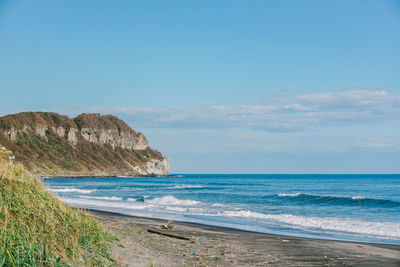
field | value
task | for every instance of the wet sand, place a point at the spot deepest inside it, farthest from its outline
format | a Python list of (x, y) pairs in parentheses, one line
[(219, 246)]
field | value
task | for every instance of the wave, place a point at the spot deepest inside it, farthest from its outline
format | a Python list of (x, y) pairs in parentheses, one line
[(98, 203), (358, 197), (70, 190), (289, 195), (382, 229), (184, 210), (102, 198), (170, 200), (167, 203), (170, 204), (184, 186), (139, 198), (341, 200)]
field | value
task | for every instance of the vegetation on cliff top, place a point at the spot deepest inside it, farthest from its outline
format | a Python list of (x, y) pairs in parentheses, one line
[(53, 154), (37, 229), (95, 120)]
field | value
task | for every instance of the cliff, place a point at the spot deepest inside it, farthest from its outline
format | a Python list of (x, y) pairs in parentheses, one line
[(90, 144)]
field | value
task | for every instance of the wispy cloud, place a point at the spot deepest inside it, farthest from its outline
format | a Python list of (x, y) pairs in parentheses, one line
[(280, 114)]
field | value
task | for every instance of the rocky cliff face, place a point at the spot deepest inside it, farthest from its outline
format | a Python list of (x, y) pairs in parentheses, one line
[(110, 130), (90, 144)]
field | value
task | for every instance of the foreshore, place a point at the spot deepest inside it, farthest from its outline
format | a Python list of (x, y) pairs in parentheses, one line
[(219, 246)]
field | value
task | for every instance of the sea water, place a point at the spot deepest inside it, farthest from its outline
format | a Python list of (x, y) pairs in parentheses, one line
[(341, 207)]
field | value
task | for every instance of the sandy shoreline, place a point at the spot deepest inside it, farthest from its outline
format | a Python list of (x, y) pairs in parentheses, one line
[(219, 246)]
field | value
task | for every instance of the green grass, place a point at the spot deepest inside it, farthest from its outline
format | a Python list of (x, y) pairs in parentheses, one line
[(37, 229)]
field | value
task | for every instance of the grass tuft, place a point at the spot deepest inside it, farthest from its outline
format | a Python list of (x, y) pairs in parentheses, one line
[(37, 229)]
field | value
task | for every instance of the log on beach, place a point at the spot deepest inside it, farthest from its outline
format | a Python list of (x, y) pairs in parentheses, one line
[(167, 234)]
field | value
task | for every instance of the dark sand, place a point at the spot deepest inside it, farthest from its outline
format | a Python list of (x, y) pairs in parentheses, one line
[(218, 246)]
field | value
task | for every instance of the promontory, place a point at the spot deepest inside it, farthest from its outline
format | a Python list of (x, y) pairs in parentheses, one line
[(48, 143)]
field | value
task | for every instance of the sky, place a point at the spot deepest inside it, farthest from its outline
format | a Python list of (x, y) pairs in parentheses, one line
[(218, 86)]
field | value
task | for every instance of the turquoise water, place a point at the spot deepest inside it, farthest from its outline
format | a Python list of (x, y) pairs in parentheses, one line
[(344, 207)]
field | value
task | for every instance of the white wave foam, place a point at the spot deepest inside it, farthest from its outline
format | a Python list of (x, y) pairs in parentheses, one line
[(383, 229), (130, 206), (217, 205), (97, 203), (181, 209), (289, 195), (170, 200), (298, 194), (67, 190), (357, 197), (185, 186), (102, 198)]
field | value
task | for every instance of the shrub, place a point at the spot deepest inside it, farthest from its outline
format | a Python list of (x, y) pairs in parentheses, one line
[(3, 123)]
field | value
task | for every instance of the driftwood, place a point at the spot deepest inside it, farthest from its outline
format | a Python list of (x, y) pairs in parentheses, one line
[(169, 235), (169, 225)]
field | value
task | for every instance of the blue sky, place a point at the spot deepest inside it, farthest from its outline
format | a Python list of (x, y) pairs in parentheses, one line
[(218, 86)]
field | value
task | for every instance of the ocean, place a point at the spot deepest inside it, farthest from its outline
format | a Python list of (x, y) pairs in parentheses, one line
[(339, 207)]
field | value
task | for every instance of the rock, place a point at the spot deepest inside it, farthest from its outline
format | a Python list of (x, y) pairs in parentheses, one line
[(128, 140), (72, 138), (41, 131), (12, 134), (60, 131), (157, 167)]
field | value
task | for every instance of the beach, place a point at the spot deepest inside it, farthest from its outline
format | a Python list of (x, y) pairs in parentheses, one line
[(219, 246), (200, 133), (338, 207)]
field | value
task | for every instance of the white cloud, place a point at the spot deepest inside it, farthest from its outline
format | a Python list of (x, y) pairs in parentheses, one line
[(279, 114)]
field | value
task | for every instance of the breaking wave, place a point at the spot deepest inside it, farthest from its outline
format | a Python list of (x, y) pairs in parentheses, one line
[(102, 198), (289, 195), (71, 190), (185, 186), (341, 200), (170, 200), (382, 229), (358, 197), (101, 204)]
